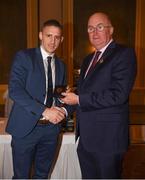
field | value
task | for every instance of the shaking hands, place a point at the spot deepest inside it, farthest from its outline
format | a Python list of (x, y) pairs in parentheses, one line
[(54, 114)]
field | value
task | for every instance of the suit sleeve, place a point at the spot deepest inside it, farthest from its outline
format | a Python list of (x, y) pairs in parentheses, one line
[(117, 93), (17, 85)]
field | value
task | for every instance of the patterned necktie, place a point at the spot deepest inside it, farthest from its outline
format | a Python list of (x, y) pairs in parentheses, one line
[(95, 60), (49, 100)]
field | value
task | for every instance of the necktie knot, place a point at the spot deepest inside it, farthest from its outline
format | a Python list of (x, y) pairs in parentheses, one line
[(49, 59), (97, 55), (96, 58)]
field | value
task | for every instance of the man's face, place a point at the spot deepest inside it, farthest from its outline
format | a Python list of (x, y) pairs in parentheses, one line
[(50, 38), (99, 30)]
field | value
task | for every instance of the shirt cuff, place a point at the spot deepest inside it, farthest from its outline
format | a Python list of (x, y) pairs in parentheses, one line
[(66, 113)]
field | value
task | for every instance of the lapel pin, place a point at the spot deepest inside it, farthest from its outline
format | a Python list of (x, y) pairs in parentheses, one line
[(101, 61)]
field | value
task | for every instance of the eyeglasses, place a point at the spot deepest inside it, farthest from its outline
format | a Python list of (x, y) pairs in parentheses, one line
[(100, 27)]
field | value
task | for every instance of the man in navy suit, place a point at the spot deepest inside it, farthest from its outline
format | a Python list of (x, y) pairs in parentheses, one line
[(102, 102), (33, 124)]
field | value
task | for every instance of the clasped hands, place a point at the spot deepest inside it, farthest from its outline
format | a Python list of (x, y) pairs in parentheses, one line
[(54, 114)]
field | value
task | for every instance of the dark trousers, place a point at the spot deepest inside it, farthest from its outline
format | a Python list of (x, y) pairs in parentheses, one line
[(96, 165), (39, 148)]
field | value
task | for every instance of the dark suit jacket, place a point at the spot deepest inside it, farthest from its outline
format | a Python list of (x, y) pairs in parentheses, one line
[(102, 116), (27, 88)]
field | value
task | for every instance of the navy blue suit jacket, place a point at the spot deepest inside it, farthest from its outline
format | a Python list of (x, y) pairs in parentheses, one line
[(102, 116), (27, 88)]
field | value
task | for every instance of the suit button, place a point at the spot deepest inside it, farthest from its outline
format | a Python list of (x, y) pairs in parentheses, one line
[(33, 113)]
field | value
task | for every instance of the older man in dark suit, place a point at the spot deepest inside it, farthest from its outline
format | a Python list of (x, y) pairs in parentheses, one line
[(106, 80)]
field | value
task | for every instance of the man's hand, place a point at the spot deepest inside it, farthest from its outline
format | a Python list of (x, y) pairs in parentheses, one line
[(70, 98), (54, 114)]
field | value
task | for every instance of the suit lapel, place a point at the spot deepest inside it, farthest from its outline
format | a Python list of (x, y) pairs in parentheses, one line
[(39, 60), (104, 58), (57, 71), (85, 66), (108, 52)]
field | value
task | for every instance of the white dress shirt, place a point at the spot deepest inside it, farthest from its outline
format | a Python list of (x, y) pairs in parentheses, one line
[(44, 56)]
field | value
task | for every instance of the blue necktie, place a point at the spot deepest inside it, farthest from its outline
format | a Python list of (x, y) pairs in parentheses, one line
[(49, 100)]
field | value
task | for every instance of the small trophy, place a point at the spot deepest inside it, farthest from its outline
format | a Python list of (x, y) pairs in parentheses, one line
[(58, 90), (67, 125)]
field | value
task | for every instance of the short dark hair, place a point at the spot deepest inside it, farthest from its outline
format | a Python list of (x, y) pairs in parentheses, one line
[(52, 22)]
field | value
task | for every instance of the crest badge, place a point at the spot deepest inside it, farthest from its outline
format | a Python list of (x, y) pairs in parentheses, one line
[(101, 61)]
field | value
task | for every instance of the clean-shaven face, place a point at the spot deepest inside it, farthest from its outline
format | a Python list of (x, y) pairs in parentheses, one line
[(51, 37), (100, 30)]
